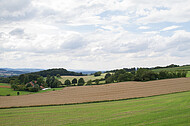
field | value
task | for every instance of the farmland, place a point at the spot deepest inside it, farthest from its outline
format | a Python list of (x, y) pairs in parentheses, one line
[(171, 109), (81, 94)]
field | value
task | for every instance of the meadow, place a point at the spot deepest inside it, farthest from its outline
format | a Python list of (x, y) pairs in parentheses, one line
[(170, 109)]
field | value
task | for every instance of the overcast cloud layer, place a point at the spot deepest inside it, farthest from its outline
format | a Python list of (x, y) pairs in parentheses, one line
[(94, 34)]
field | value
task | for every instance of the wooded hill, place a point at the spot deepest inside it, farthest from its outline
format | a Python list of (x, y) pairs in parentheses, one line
[(54, 72)]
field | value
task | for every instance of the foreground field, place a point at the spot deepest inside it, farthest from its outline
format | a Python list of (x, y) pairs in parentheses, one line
[(124, 90), (168, 110)]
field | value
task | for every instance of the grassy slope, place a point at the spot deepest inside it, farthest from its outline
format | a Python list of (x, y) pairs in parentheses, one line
[(172, 109), (187, 68)]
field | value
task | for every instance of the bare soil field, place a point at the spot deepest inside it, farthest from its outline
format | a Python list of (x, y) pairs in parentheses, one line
[(116, 91)]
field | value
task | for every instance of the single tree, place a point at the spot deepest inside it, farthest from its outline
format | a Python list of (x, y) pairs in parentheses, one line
[(81, 82), (74, 81), (67, 82)]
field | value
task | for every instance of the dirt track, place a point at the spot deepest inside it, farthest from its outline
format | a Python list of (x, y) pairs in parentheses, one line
[(114, 91), (5, 86)]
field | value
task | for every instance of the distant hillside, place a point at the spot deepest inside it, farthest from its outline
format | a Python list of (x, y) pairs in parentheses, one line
[(171, 67), (7, 72), (185, 67), (54, 72)]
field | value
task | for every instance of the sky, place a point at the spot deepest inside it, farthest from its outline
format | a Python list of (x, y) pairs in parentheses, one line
[(94, 34)]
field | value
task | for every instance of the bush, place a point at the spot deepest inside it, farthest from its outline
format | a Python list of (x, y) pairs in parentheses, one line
[(89, 82), (20, 88), (97, 81), (33, 89), (8, 95)]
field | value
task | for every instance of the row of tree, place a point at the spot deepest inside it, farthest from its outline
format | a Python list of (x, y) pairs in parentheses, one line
[(75, 82), (142, 75)]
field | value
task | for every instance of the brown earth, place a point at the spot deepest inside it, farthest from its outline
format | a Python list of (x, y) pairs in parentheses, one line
[(5, 86), (93, 93)]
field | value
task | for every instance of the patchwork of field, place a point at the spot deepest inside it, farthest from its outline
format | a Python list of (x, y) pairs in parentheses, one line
[(164, 110), (123, 90)]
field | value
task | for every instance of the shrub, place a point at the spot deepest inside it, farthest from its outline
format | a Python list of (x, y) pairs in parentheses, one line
[(97, 81), (89, 82), (33, 89)]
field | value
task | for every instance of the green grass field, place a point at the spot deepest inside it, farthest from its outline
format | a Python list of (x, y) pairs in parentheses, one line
[(187, 68), (164, 110), (188, 74)]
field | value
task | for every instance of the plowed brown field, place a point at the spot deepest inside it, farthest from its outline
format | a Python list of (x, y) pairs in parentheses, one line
[(114, 91)]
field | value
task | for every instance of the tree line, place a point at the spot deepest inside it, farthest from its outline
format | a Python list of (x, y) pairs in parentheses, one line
[(142, 74)]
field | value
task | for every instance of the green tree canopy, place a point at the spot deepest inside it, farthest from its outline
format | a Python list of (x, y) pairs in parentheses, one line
[(74, 81), (81, 82), (89, 82), (67, 82), (97, 73)]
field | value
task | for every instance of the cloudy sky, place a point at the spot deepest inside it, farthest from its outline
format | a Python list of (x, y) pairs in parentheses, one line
[(94, 34)]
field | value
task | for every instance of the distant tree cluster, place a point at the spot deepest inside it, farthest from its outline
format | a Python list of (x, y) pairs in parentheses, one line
[(52, 82), (143, 75), (32, 82), (97, 73), (27, 82)]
